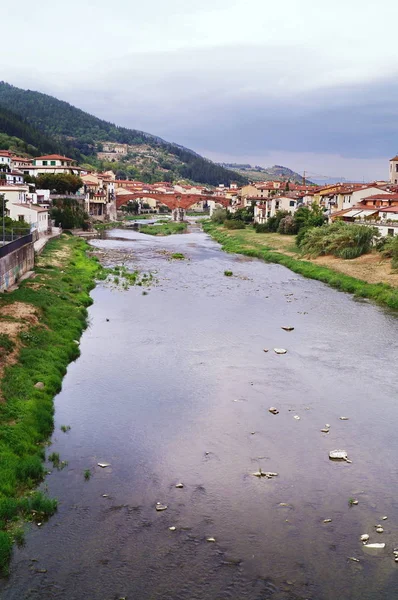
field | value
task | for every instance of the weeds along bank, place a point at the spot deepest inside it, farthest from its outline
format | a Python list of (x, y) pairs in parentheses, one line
[(234, 241), (40, 325)]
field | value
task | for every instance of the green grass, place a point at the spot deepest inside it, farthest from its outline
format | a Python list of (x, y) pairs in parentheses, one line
[(139, 217), (87, 474), (164, 229), (228, 273), (381, 293), (6, 344), (178, 256), (26, 415), (65, 428)]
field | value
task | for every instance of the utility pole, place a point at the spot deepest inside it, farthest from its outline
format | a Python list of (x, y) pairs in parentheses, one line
[(304, 178)]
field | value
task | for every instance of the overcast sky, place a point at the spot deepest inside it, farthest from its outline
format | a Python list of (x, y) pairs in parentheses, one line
[(309, 84)]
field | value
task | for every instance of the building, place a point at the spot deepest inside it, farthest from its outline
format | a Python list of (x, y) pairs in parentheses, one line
[(99, 196), (16, 194), (5, 160), (52, 163), (34, 215), (394, 170)]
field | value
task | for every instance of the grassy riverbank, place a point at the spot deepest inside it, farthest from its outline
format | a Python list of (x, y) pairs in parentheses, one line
[(42, 321), (253, 244), (164, 229)]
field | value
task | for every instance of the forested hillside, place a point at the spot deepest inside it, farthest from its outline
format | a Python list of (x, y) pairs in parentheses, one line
[(18, 135), (68, 124)]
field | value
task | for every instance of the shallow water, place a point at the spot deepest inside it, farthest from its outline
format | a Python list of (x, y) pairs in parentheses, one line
[(176, 387)]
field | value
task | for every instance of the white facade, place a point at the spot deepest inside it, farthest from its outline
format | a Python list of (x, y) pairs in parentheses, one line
[(5, 160), (14, 178), (14, 194), (36, 216)]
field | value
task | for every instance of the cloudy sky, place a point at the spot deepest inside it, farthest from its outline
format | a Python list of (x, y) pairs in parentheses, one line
[(309, 84)]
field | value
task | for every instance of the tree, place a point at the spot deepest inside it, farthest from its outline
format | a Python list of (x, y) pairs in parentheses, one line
[(62, 183)]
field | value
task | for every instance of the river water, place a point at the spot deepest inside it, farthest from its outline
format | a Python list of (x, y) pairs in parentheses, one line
[(176, 387)]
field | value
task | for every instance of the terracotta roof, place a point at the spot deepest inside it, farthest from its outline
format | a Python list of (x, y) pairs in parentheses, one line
[(382, 197), (32, 207), (395, 158), (387, 209), (53, 157)]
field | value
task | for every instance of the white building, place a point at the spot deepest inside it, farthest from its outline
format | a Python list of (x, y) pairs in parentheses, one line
[(5, 159), (35, 216), (52, 163), (15, 193)]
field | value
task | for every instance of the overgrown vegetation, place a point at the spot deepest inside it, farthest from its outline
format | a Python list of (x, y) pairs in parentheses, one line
[(379, 292), (164, 229), (60, 294), (68, 213), (345, 240), (6, 344), (389, 249), (177, 256)]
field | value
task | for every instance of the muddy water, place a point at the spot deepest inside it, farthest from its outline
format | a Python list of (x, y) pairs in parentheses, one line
[(176, 387)]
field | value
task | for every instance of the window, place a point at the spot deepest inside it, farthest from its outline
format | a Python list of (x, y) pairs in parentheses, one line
[(53, 163), (292, 203), (44, 163), (20, 217), (396, 168), (390, 231)]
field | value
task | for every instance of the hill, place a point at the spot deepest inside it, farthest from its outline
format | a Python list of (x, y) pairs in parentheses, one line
[(85, 133), (17, 135), (257, 173)]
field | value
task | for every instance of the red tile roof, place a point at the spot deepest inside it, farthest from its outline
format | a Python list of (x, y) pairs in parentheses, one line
[(53, 157)]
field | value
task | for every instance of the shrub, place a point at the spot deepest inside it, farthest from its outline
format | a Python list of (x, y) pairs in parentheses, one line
[(287, 225), (344, 240), (273, 222), (234, 224), (389, 249), (261, 228), (6, 344), (219, 216)]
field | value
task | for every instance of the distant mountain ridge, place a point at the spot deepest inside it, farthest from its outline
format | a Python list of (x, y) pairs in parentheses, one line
[(71, 127), (275, 173)]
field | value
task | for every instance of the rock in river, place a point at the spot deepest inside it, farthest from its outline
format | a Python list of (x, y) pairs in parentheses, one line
[(280, 350)]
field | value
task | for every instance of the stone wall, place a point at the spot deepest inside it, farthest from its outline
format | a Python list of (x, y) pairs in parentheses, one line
[(15, 264)]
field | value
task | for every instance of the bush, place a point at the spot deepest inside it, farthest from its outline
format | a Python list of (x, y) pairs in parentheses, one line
[(389, 249), (219, 216), (273, 222), (344, 240), (309, 216), (261, 228), (234, 224), (287, 225)]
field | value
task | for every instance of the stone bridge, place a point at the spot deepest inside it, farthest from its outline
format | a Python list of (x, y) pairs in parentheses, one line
[(178, 203)]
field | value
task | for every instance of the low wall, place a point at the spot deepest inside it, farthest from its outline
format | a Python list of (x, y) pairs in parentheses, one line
[(15, 261)]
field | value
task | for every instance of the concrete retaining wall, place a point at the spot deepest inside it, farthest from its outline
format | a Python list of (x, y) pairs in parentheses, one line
[(15, 264)]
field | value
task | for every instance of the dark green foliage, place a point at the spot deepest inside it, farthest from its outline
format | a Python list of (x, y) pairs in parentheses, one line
[(69, 213), (272, 225), (87, 474), (177, 256), (309, 216), (228, 273), (18, 135), (234, 224), (62, 183)]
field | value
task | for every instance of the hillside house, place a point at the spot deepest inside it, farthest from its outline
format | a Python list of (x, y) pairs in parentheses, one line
[(394, 170), (52, 163)]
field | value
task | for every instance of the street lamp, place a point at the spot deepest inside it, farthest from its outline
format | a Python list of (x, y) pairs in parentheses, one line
[(4, 218)]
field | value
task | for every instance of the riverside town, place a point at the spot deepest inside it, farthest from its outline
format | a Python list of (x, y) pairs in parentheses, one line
[(198, 358)]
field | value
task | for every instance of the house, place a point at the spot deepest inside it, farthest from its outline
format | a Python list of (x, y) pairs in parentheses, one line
[(14, 177), (18, 162), (15, 193), (35, 215), (99, 196), (5, 160), (52, 163)]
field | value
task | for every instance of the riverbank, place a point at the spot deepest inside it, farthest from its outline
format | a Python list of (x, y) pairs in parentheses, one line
[(40, 326), (280, 249)]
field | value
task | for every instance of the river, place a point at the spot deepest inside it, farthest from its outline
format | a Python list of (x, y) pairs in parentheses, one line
[(174, 386)]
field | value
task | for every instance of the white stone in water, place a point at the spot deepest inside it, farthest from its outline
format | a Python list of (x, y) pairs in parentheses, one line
[(327, 520), (210, 539), (379, 529), (355, 502), (343, 418), (375, 546), (269, 475), (384, 518), (280, 350), (297, 417), (354, 559), (325, 430), (104, 465), (159, 506), (179, 485), (273, 410), (364, 538), (338, 455), (172, 528), (288, 328), (327, 426)]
